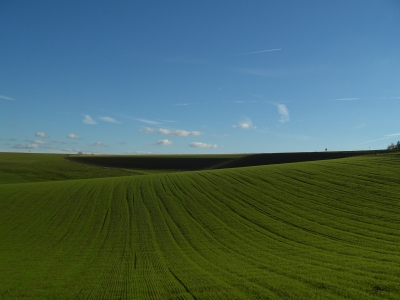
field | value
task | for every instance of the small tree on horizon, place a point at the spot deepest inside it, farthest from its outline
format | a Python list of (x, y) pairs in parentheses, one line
[(393, 146)]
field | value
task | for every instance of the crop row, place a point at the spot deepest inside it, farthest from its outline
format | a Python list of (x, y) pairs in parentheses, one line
[(316, 230)]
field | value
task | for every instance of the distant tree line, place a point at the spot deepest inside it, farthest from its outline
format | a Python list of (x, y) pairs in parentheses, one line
[(394, 147)]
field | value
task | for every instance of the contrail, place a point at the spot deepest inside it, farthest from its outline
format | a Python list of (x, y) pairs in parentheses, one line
[(6, 98), (262, 51)]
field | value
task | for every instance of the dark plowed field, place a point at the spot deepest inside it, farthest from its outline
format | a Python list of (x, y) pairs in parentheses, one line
[(191, 163)]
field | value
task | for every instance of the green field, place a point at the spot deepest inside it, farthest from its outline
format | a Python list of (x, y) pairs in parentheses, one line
[(313, 230), (23, 167)]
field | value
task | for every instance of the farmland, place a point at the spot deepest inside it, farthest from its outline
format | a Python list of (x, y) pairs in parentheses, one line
[(22, 167), (327, 229), (201, 162)]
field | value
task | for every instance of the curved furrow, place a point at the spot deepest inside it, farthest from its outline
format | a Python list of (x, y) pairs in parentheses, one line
[(320, 230), (317, 199), (322, 209), (247, 248), (248, 254), (231, 256), (185, 254)]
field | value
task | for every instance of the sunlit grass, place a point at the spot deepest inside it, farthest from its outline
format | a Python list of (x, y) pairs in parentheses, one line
[(316, 230)]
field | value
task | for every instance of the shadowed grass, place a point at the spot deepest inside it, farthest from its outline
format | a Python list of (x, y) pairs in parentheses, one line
[(24, 167)]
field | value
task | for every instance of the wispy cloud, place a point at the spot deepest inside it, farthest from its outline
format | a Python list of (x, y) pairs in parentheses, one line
[(232, 101), (178, 132), (284, 112), (373, 98), (41, 134), (89, 120), (147, 121), (245, 125), (258, 96), (6, 98), (73, 136), (346, 99), (98, 144), (165, 142), (26, 146), (38, 142), (202, 145), (59, 142), (147, 130), (386, 137), (256, 52), (108, 119), (127, 117), (360, 126), (392, 135), (274, 73), (221, 88)]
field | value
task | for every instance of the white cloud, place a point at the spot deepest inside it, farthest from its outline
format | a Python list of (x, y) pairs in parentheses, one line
[(163, 143), (73, 136), (38, 142), (245, 125), (147, 121), (41, 134), (346, 99), (6, 98), (178, 132), (109, 120), (386, 137), (98, 144), (202, 145), (89, 120), (255, 52), (284, 112), (26, 146), (147, 130), (393, 134), (164, 131)]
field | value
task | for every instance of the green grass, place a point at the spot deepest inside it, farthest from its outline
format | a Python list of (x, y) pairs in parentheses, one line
[(315, 230), (23, 167)]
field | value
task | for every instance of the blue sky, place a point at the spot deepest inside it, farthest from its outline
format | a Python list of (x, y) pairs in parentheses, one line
[(127, 77)]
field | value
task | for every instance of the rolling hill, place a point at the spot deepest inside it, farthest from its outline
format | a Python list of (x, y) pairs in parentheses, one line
[(312, 230)]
